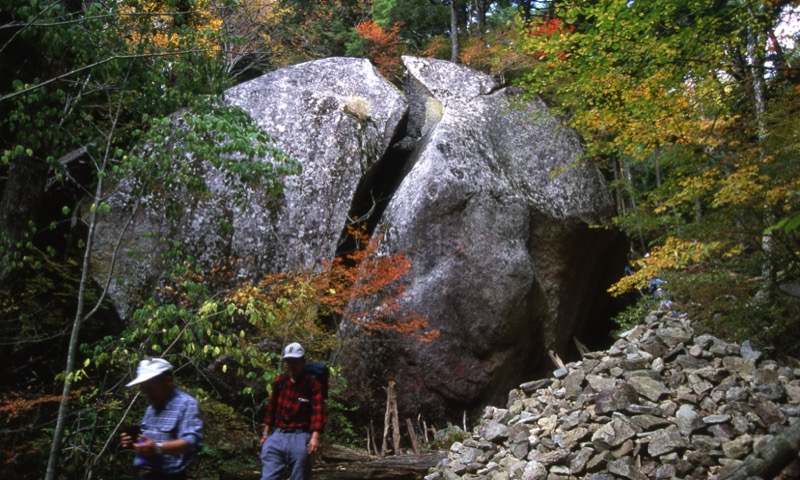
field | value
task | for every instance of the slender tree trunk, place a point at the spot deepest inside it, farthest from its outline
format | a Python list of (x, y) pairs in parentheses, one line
[(629, 181), (72, 352), (80, 315), (618, 190), (453, 32), (480, 14), (657, 155), (755, 58)]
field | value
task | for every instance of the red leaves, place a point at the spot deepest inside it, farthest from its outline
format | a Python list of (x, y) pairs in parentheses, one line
[(384, 46), (365, 288), (549, 27)]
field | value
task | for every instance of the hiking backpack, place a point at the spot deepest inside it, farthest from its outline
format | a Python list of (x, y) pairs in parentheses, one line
[(322, 372), (317, 369)]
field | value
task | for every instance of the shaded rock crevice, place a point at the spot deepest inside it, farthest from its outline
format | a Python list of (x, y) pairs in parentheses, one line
[(377, 186)]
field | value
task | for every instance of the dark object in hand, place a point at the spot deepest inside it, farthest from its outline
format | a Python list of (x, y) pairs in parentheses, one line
[(132, 431)]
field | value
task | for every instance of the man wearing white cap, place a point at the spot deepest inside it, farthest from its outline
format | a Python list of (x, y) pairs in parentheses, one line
[(294, 421), (171, 429)]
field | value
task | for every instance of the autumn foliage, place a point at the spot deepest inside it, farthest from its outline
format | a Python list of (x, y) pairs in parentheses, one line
[(495, 53), (548, 27), (367, 289), (383, 46), (361, 289)]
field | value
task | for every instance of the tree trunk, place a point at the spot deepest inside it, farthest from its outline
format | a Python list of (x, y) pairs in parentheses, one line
[(20, 201), (453, 32), (755, 58), (72, 352), (80, 312), (480, 7)]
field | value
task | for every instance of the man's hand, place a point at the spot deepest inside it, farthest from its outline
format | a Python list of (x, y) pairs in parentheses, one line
[(264, 436), (315, 443), (145, 446), (125, 440)]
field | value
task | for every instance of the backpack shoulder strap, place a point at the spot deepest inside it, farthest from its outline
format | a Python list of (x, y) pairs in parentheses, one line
[(279, 382)]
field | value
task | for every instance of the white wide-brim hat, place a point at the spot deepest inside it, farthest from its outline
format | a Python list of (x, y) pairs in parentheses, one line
[(150, 368), (294, 350)]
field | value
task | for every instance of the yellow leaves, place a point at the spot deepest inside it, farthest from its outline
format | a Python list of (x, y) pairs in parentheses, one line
[(744, 186), (254, 23), (784, 196), (675, 254), (208, 308), (694, 187), (152, 26)]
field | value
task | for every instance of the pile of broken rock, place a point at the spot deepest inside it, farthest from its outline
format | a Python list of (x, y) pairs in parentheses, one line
[(663, 402)]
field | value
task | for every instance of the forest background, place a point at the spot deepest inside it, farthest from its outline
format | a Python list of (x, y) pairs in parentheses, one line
[(690, 107)]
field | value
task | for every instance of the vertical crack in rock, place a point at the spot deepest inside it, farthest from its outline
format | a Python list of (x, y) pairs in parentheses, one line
[(378, 185)]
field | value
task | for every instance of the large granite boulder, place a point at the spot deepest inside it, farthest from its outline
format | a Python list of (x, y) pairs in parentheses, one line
[(335, 116), (483, 191), (496, 215)]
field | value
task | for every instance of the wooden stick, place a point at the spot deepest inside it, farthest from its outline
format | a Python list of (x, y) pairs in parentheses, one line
[(395, 422), (387, 417), (372, 437), (556, 359), (412, 434)]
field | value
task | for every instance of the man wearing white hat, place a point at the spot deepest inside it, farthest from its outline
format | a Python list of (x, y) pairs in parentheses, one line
[(171, 429), (294, 421)]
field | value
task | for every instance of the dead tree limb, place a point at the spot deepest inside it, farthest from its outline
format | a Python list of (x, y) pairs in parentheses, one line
[(768, 462), (412, 434), (395, 423), (390, 419)]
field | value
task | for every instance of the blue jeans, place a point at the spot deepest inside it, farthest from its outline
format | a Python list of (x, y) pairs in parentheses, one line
[(286, 450)]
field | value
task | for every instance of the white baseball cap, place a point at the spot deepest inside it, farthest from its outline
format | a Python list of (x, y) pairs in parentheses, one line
[(294, 350), (150, 368)]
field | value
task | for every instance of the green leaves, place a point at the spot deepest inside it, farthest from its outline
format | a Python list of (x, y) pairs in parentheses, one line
[(666, 96)]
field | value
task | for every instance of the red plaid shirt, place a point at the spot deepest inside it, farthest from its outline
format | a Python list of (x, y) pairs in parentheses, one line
[(292, 407)]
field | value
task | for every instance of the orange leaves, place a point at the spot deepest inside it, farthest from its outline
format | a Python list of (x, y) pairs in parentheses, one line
[(494, 52), (361, 288), (18, 405), (384, 46), (365, 288)]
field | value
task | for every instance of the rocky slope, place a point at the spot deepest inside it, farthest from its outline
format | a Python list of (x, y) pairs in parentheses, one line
[(663, 402)]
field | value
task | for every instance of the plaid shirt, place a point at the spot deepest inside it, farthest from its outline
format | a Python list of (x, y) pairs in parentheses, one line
[(179, 418), (297, 405)]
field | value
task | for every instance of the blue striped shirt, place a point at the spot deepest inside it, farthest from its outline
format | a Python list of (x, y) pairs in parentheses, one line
[(179, 418)]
